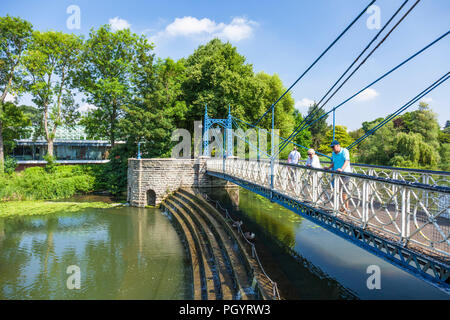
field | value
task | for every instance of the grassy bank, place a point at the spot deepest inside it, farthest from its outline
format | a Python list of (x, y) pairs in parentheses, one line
[(41, 207)]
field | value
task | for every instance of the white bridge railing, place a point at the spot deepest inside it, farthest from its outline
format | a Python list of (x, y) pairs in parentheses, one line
[(439, 178), (392, 202)]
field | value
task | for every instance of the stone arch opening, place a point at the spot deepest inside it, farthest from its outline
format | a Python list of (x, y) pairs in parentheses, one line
[(151, 197)]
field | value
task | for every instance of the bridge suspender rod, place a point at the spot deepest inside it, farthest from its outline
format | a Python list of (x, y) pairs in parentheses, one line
[(437, 83), (316, 108), (312, 65), (294, 134)]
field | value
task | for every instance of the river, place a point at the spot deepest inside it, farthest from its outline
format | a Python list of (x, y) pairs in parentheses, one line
[(121, 253), (135, 253), (313, 263)]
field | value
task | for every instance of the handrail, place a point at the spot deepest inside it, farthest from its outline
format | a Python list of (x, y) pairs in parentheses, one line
[(411, 212), (218, 205), (404, 183), (445, 173)]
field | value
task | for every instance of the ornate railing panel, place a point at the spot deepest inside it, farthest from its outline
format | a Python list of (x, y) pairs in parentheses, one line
[(397, 205)]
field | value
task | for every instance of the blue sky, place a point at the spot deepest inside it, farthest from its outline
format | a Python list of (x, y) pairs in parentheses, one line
[(284, 37)]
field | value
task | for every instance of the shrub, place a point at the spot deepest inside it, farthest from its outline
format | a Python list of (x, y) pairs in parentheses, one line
[(37, 183), (10, 165)]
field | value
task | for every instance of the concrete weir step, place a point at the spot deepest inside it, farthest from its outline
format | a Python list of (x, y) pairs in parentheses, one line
[(226, 269), (192, 246), (240, 271), (264, 288), (217, 261), (203, 281)]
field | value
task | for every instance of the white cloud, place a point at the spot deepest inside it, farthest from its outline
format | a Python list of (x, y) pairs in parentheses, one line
[(86, 107), (427, 100), (366, 95), (9, 97), (238, 29), (118, 24), (190, 26), (305, 103)]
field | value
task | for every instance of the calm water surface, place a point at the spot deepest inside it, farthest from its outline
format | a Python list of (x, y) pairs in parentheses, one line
[(122, 253), (330, 267)]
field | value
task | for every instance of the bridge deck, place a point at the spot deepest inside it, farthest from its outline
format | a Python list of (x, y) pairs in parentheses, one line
[(412, 219)]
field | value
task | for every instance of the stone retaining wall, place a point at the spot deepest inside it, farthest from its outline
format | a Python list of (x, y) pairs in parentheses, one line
[(151, 180)]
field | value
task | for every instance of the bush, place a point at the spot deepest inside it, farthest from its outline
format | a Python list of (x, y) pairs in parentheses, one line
[(51, 165), (10, 165), (37, 183)]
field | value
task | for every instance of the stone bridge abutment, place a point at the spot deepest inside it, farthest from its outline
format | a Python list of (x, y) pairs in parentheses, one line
[(151, 180)]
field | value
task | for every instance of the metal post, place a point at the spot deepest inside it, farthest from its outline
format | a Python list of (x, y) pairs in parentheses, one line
[(336, 194), (229, 134), (403, 226), (272, 147), (315, 186), (206, 133), (139, 150), (224, 155), (333, 124), (365, 205)]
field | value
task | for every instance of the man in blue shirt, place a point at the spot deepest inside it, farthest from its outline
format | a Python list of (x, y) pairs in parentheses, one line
[(340, 162)]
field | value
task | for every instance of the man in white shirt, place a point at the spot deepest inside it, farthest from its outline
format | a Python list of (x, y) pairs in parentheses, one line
[(313, 160), (294, 156)]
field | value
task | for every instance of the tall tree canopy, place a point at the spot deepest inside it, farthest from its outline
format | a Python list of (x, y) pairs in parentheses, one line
[(318, 128), (341, 135), (15, 35), (410, 140), (50, 63), (217, 75), (115, 65)]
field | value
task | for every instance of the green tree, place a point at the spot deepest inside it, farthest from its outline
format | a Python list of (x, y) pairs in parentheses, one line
[(15, 35), (217, 75), (304, 137), (379, 147), (157, 110), (444, 151), (273, 88), (411, 140), (447, 127), (16, 124), (115, 65), (50, 62), (424, 122), (318, 128), (341, 135)]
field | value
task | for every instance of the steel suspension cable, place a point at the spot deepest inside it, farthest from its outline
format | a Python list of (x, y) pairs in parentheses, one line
[(435, 84), (369, 85), (266, 131), (365, 49), (373, 50), (316, 108), (312, 65)]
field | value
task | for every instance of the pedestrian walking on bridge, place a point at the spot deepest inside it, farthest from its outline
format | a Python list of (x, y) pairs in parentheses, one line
[(340, 162), (294, 156)]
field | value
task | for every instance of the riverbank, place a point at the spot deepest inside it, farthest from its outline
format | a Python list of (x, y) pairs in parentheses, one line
[(42, 207)]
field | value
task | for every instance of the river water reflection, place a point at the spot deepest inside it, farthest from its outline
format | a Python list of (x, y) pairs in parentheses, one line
[(122, 253), (326, 266)]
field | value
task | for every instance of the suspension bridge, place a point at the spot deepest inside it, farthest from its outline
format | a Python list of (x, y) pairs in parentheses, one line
[(401, 215)]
